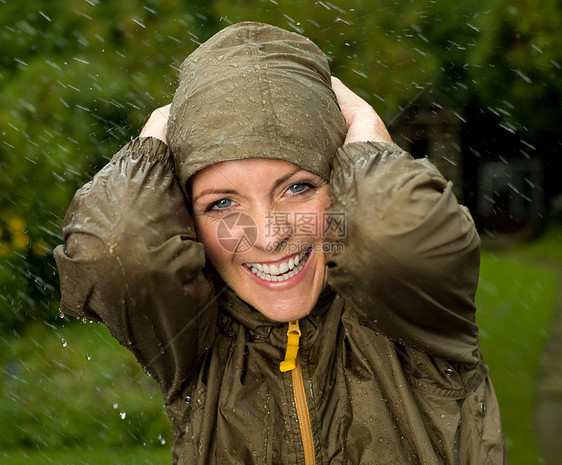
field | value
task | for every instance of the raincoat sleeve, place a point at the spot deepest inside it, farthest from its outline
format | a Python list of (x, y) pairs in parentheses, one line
[(131, 261), (411, 253)]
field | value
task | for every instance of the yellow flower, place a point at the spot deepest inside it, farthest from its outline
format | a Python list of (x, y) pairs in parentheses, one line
[(40, 248), (20, 240), (4, 249), (16, 225)]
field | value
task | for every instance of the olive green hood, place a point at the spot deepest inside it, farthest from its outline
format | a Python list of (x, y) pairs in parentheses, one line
[(255, 91)]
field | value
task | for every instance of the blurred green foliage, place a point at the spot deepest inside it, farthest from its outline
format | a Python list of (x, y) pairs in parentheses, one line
[(74, 386), (78, 79)]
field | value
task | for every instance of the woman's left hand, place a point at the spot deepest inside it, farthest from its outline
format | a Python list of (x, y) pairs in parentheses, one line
[(363, 123), (157, 124)]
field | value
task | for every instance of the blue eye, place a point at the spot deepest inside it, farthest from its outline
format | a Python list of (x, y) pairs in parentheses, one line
[(220, 204), (299, 187)]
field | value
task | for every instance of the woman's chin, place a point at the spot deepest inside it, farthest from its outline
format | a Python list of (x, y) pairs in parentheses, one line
[(284, 300), (284, 311)]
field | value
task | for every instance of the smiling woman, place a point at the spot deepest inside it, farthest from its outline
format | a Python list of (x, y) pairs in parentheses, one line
[(202, 247), (282, 274)]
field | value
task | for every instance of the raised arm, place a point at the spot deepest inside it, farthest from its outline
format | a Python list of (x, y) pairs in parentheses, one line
[(131, 261), (411, 252)]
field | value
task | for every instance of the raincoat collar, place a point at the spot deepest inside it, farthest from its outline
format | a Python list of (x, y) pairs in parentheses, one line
[(237, 312)]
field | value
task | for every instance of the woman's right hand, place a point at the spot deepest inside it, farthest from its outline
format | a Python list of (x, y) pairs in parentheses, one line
[(157, 124), (363, 123)]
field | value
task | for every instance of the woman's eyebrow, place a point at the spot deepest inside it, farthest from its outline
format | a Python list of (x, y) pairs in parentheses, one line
[(216, 191), (282, 179), (276, 183)]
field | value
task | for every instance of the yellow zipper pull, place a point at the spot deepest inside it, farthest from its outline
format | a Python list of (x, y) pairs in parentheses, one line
[(293, 335)]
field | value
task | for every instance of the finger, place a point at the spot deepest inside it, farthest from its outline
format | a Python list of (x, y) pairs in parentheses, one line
[(156, 125), (165, 110), (340, 90)]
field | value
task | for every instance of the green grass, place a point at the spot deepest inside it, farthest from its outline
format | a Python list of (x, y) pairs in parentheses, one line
[(516, 301), (88, 391), (64, 403), (548, 249), (94, 456)]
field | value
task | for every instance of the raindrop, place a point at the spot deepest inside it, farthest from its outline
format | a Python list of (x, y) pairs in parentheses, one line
[(122, 415), (88, 357), (115, 405), (63, 342), (137, 21), (44, 16), (161, 439), (80, 60), (360, 73), (523, 76)]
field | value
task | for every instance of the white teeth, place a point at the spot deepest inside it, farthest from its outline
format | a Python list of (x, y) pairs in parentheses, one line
[(282, 272)]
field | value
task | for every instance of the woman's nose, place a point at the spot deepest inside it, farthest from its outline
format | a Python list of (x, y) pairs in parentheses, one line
[(274, 230)]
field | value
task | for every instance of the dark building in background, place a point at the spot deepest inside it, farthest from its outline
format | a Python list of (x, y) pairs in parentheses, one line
[(495, 174)]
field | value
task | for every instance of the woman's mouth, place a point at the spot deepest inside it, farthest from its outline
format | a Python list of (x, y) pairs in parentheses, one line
[(281, 271)]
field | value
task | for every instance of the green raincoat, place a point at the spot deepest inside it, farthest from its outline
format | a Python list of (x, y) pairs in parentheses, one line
[(389, 369)]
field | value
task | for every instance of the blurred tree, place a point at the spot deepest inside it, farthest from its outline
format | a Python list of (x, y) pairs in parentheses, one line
[(77, 80), (503, 56)]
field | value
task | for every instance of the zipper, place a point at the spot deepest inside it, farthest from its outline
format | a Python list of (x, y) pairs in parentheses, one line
[(292, 363)]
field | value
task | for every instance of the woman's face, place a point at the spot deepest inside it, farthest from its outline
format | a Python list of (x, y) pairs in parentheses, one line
[(261, 222)]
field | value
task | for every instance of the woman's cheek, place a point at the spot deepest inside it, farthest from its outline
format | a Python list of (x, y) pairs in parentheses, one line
[(207, 235), (204, 234)]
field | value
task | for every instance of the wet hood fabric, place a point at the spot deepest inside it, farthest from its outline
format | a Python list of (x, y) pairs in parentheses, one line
[(255, 91)]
